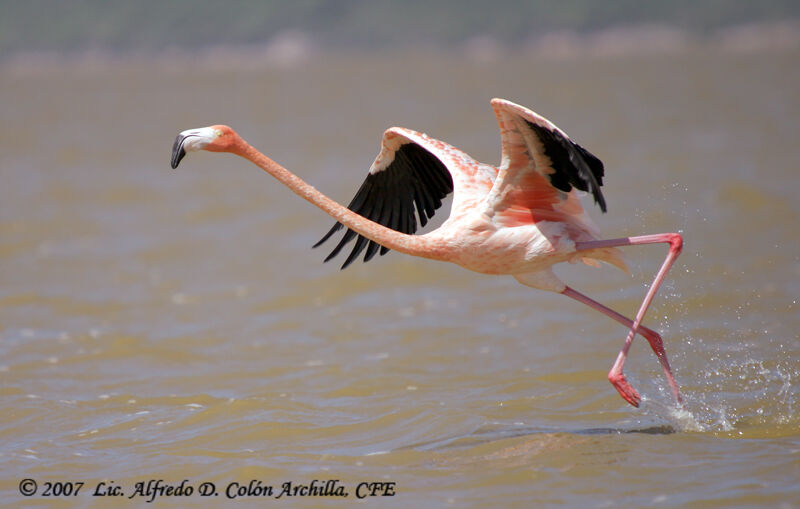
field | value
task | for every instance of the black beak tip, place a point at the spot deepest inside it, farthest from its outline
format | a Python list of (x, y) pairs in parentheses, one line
[(177, 151), (177, 156)]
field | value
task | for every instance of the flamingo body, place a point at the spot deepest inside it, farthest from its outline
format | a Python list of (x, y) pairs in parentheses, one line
[(519, 218)]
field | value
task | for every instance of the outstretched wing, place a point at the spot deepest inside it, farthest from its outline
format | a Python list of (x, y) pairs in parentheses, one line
[(406, 175), (531, 143), (539, 170)]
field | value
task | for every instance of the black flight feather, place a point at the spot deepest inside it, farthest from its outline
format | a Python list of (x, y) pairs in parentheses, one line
[(574, 166), (416, 180)]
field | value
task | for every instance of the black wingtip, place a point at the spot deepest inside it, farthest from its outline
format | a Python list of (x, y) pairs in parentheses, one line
[(573, 165), (333, 230), (595, 171), (416, 178)]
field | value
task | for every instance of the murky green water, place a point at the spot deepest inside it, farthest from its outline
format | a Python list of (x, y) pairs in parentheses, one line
[(159, 324)]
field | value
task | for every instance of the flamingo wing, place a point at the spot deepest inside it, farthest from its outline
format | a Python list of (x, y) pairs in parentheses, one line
[(533, 144), (407, 174)]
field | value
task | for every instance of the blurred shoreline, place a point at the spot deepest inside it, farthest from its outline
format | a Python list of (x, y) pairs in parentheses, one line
[(293, 48)]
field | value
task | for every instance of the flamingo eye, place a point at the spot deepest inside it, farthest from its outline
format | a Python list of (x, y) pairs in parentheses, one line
[(218, 132)]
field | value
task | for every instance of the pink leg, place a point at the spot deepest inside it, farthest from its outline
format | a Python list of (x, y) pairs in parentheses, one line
[(615, 376)]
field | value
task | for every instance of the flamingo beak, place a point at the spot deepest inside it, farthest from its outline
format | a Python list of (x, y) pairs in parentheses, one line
[(190, 141), (178, 152)]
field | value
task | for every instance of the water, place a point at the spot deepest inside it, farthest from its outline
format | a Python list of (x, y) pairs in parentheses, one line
[(160, 324)]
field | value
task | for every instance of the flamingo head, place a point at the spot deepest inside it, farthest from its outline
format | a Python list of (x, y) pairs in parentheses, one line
[(216, 138)]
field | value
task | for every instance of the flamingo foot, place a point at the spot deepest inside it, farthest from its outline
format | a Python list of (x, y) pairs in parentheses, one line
[(625, 390)]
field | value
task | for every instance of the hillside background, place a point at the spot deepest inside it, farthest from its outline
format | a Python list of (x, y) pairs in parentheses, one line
[(150, 26)]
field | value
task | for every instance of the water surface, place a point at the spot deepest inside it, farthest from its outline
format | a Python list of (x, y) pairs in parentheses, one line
[(177, 325)]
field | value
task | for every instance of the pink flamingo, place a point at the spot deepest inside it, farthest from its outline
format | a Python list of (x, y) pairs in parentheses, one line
[(518, 218)]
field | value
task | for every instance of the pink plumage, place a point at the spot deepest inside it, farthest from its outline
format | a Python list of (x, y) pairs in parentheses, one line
[(519, 218)]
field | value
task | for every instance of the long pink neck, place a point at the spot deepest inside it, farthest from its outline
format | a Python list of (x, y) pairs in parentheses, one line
[(409, 244)]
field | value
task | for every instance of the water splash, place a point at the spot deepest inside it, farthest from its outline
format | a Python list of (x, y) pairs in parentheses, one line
[(684, 420), (733, 392)]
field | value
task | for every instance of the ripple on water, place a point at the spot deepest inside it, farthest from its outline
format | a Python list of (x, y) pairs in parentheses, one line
[(148, 314)]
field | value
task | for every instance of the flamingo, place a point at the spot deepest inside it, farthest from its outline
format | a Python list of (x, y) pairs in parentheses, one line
[(519, 218)]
